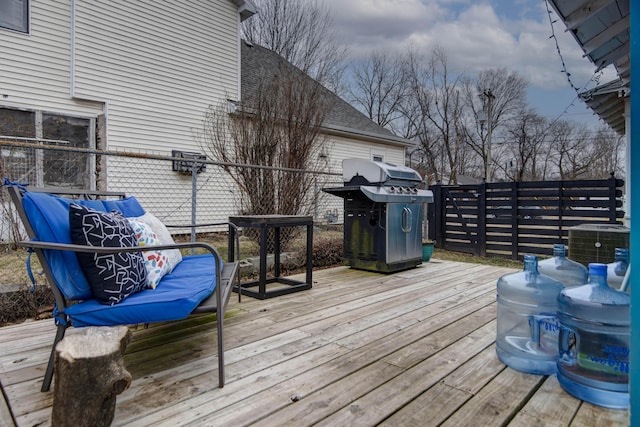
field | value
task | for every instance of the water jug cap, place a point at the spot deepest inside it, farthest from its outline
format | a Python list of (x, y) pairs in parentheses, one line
[(597, 269), (559, 249), (621, 253)]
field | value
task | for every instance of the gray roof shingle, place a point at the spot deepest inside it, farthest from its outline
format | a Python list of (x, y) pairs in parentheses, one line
[(258, 62)]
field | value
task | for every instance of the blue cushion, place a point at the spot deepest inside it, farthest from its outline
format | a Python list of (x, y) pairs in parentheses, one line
[(176, 296), (49, 217)]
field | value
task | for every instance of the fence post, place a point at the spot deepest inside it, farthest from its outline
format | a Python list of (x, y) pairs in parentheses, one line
[(612, 198), (436, 225), (194, 204), (481, 242), (515, 235), (560, 210)]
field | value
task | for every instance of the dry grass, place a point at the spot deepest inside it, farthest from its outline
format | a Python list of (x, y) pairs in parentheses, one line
[(13, 271), (12, 267), (462, 257)]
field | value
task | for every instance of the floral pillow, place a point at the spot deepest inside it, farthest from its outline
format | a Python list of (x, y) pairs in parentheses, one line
[(156, 262), (160, 230)]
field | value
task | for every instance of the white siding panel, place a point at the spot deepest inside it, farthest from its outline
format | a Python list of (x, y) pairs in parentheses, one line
[(340, 148), (159, 65), (37, 73), (167, 194)]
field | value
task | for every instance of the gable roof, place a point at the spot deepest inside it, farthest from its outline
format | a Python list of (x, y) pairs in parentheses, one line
[(342, 119)]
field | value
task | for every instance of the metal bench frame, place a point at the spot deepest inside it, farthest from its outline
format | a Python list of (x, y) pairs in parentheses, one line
[(215, 303)]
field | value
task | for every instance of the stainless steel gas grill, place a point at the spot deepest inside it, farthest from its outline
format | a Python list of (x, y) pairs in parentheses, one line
[(382, 215)]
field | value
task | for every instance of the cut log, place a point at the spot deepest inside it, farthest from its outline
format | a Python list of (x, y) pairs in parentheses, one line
[(89, 373)]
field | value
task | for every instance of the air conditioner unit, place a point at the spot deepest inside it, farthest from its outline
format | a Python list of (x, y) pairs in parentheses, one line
[(596, 242)]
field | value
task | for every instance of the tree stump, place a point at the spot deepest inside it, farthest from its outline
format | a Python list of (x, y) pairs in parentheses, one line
[(89, 373)]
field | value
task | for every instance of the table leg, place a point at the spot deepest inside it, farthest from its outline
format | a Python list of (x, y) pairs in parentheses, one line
[(262, 286), (276, 251), (309, 252)]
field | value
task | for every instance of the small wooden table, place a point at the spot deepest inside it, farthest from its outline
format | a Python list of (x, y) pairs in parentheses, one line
[(264, 223)]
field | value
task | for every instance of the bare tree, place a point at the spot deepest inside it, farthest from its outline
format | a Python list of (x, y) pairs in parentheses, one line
[(302, 33), (506, 92), (569, 149), (278, 130), (380, 88), (526, 145), (609, 152), (437, 111)]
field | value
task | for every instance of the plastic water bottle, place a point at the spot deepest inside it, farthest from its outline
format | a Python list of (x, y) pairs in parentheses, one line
[(593, 363), (561, 268), (616, 270), (527, 331)]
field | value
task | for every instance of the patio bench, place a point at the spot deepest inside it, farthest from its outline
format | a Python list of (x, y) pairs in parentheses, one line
[(195, 284)]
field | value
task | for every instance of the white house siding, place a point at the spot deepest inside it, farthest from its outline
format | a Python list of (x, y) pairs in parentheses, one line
[(35, 67), (158, 64), (340, 148)]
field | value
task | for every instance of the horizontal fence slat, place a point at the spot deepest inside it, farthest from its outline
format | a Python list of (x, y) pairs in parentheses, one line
[(540, 213)]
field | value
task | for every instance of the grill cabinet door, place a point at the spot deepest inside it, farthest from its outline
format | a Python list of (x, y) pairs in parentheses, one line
[(404, 231)]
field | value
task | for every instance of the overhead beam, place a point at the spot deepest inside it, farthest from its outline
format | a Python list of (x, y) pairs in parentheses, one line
[(612, 56), (584, 12), (606, 35)]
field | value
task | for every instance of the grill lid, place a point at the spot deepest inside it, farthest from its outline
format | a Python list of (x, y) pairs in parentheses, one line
[(377, 172), (380, 182)]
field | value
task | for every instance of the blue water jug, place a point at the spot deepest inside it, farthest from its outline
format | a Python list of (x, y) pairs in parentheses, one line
[(527, 330), (561, 268), (617, 269), (593, 363)]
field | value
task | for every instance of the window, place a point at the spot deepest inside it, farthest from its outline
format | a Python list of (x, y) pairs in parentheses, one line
[(14, 15), (47, 166), (377, 155)]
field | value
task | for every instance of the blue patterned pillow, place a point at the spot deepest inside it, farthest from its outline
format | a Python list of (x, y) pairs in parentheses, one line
[(112, 277)]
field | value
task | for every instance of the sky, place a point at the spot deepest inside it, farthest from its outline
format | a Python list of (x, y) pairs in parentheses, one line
[(478, 35)]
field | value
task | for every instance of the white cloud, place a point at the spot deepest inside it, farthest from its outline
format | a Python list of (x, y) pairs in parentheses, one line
[(368, 25), (475, 35)]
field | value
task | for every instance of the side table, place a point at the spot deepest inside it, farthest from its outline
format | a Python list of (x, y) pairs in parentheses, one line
[(264, 223)]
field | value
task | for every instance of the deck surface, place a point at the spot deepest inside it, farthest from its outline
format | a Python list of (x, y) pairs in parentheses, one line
[(414, 348)]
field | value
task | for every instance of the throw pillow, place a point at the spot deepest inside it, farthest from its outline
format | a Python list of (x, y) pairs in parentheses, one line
[(155, 261), (112, 277), (163, 234)]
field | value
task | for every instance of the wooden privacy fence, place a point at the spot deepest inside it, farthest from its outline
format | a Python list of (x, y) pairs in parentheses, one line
[(509, 219)]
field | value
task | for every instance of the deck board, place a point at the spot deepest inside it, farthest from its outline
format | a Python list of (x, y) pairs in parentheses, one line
[(414, 348)]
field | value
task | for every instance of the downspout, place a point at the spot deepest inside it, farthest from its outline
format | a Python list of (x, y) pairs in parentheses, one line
[(627, 157), (246, 9), (72, 71)]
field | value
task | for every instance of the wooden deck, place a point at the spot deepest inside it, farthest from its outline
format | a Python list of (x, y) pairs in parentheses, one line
[(411, 348)]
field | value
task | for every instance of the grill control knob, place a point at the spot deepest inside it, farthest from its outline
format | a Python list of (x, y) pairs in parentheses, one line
[(407, 190), (392, 189), (414, 190)]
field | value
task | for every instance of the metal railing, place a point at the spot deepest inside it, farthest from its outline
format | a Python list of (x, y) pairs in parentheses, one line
[(176, 189)]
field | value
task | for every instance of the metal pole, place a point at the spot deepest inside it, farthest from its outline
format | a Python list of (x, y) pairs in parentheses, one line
[(194, 192)]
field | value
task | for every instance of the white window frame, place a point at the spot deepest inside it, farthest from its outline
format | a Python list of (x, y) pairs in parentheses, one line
[(38, 140), (15, 15)]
